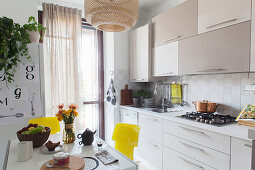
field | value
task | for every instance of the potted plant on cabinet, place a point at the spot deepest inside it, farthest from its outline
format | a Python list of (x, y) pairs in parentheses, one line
[(34, 29)]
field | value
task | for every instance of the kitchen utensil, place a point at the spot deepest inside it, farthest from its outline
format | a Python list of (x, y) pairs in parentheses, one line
[(17, 115), (32, 98), (126, 96), (205, 106), (44, 149), (49, 165), (87, 137), (25, 151)]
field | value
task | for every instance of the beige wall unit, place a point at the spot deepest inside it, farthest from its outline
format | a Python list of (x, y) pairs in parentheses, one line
[(215, 14), (226, 50), (252, 62), (240, 154), (140, 54), (165, 60), (177, 23)]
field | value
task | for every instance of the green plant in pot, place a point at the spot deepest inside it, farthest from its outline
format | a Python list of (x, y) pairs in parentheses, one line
[(13, 44), (34, 29)]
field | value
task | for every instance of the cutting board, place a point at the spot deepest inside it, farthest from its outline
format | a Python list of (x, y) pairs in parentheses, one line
[(126, 96), (76, 163), (246, 123)]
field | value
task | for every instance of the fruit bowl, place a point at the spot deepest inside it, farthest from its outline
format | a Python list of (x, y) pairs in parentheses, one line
[(38, 139)]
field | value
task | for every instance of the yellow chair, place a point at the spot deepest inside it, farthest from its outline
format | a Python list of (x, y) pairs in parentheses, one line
[(126, 138), (51, 122)]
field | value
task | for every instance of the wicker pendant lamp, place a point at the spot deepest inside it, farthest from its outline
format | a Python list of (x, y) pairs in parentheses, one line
[(112, 15)]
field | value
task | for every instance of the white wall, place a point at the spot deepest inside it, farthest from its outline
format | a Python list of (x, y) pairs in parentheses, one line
[(19, 10)]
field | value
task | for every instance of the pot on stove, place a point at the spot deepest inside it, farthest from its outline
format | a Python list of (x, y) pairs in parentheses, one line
[(205, 106)]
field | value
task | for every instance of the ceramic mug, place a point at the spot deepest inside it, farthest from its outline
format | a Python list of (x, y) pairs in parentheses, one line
[(25, 151)]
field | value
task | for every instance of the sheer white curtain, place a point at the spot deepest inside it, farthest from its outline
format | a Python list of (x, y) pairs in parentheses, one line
[(63, 77)]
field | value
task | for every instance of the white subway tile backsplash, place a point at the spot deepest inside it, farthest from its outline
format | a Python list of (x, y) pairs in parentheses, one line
[(224, 89)]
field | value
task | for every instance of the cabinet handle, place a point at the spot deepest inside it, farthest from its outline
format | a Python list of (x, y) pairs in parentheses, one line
[(247, 145), (171, 39), (224, 22), (138, 79), (196, 165), (211, 70), (191, 130), (156, 120), (165, 73), (192, 146)]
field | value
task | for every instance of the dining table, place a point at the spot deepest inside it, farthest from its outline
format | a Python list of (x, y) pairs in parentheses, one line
[(75, 149)]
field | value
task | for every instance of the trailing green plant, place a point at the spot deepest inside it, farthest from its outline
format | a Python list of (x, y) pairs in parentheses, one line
[(34, 26), (13, 44)]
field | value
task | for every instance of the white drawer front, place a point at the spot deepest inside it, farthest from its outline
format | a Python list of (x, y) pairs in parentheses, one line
[(240, 154), (206, 155), (206, 138), (176, 161), (128, 116), (151, 128), (151, 153)]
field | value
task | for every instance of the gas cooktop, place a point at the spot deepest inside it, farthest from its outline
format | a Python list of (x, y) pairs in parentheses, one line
[(213, 119)]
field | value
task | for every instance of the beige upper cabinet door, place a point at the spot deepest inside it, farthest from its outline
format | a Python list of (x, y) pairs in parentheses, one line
[(140, 54), (165, 60), (225, 50), (175, 24), (252, 63), (215, 14)]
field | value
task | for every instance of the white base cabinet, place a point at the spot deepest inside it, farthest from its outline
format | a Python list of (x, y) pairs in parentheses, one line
[(173, 160), (128, 116), (150, 141), (198, 152), (167, 145), (151, 153), (240, 154)]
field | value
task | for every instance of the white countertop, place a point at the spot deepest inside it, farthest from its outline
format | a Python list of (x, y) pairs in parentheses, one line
[(233, 130), (74, 149)]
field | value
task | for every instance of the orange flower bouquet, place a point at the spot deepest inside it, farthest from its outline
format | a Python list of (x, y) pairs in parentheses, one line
[(68, 117)]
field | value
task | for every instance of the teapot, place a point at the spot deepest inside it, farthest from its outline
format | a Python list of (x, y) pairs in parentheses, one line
[(87, 137)]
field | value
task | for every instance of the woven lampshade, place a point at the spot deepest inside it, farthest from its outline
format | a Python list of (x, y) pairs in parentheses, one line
[(112, 15)]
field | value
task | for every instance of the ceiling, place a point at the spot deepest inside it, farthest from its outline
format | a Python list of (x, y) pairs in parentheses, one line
[(144, 4), (148, 4)]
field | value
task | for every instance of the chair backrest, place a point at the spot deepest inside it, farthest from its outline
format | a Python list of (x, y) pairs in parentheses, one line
[(126, 138), (51, 122)]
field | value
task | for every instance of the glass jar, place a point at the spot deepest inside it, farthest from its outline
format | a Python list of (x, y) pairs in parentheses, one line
[(68, 133)]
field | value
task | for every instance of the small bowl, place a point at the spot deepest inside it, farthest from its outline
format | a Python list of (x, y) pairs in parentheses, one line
[(38, 139)]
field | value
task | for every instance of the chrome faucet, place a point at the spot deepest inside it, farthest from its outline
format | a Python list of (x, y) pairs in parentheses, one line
[(164, 103)]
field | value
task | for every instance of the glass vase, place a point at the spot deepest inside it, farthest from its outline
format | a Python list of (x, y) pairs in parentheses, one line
[(68, 133)]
